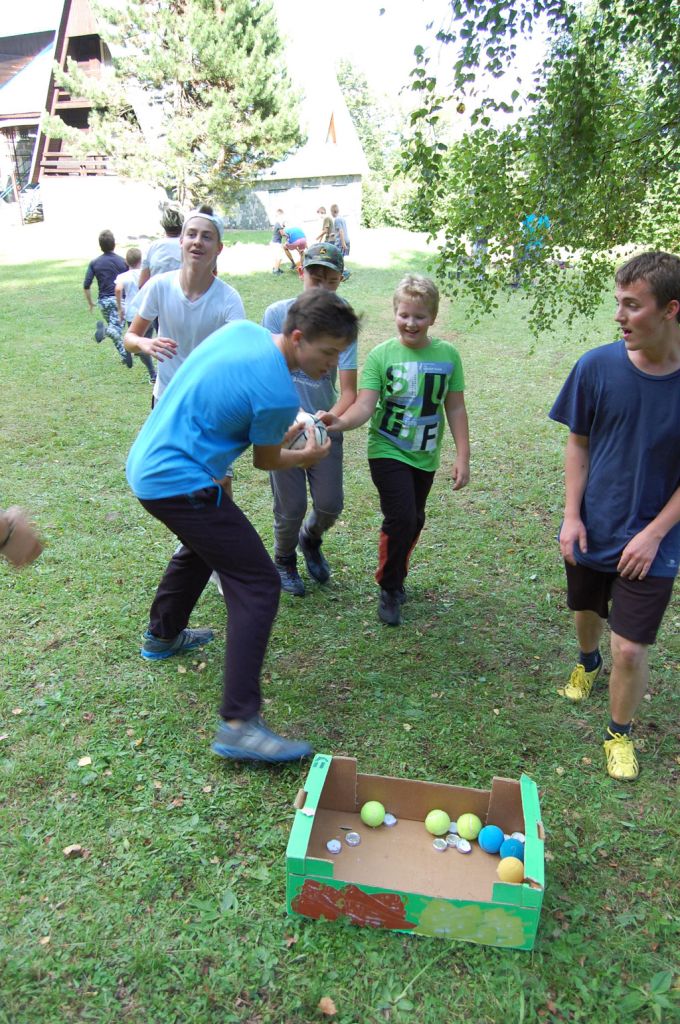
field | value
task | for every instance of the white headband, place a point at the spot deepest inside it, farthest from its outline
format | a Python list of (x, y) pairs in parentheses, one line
[(212, 217)]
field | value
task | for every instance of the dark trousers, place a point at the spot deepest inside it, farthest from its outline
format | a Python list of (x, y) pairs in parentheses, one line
[(403, 493), (216, 536)]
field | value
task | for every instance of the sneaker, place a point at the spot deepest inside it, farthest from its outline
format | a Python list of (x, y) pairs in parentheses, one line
[(277, 271), (389, 607), (253, 741), (580, 683), (154, 649), (317, 566), (100, 331), (291, 581), (402, 597), (127, 358), (622, 763)]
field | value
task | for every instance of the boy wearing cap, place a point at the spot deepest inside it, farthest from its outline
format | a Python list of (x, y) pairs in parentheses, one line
[(190, 303), (323, 268)]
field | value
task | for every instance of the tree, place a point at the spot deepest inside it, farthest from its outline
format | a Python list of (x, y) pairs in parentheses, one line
[(378, 125), (594, 146), (199, 100)]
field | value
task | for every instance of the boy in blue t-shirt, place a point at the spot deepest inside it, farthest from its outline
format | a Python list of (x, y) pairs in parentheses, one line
[(620, 536), (233, 391), (105, 269)]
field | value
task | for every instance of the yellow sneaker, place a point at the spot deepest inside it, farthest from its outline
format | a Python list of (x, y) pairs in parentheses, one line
[(622, 763), (580, 683)]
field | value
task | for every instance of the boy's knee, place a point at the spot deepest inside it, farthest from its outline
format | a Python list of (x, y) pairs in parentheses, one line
[(627, 654)]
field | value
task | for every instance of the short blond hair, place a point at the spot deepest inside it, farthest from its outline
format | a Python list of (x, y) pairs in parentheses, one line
[(417, 286)]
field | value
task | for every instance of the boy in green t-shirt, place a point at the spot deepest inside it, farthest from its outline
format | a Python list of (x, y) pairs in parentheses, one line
[(408, 386)]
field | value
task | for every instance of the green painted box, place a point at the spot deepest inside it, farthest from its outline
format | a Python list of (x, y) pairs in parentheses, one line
[(395, 879)]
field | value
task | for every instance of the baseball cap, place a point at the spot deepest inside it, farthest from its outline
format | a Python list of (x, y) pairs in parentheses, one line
[(323, 254)]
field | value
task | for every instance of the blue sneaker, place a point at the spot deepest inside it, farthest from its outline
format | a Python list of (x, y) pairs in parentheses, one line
[(154, 649), (291, 581), (253, 741)]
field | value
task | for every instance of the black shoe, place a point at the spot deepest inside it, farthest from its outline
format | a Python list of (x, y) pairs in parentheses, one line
[(100, 331), (127, 358), (401, 595), (291, 581), (317, 566), (389, 607)]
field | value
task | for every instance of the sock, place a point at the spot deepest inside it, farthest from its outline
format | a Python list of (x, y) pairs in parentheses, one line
[(590, 661), (616, 727)]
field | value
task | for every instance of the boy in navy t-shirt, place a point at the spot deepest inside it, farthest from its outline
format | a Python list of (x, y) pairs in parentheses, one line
[(620, 537), (105, 269)]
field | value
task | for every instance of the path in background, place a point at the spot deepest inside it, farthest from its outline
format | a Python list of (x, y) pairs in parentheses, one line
[(40, 241)]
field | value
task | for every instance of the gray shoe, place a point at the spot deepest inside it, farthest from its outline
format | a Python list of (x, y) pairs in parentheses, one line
[(100, 331), (291, 581), (389, 607), (154, 649), (253, 741)]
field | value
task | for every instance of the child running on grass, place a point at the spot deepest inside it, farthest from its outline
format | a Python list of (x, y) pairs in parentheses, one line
[(126, 291), (105, 269), (408, 386)]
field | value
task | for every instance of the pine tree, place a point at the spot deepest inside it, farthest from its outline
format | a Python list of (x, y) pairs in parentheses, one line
[(198, 99)]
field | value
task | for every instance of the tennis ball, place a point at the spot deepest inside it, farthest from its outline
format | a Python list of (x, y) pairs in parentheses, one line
[(512, 848), (437, 823), (372, 813), (491, 838), (510, 869), (469, 826)]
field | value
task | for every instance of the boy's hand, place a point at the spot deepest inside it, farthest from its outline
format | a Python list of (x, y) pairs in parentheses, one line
[(638, 555), (160, 348), (330, 421), (314, 452), (460, 474), (573, 532), (20, 543)]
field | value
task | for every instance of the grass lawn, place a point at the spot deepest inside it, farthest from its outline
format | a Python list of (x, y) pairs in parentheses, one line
[(176, 915)]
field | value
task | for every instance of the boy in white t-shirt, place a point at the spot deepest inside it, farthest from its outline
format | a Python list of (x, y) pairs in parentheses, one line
[(126, 291)]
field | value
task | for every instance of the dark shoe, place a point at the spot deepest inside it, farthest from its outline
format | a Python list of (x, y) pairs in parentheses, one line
[(291, 581), (389, 607), (127, 358), (317, 566), (100, 331), (277, 271), (402, 597), (154, 649), (253, 741)]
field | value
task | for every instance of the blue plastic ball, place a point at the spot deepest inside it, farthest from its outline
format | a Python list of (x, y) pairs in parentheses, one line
[(491, 838), (512, 848)]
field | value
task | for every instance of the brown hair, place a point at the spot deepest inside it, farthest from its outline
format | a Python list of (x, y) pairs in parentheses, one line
[(661, 271)]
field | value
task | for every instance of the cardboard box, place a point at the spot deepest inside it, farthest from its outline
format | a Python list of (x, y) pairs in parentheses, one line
[(395, 879)]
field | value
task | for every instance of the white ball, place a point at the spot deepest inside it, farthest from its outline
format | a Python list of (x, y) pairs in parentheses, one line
[(307, 422)]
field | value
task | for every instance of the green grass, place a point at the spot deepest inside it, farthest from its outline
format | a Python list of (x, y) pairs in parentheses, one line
[(177, 915)]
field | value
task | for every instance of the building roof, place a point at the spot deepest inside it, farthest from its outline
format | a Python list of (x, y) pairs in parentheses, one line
[(22, 98), (36, 16)]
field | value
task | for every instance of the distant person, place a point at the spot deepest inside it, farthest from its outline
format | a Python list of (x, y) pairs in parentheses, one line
[(126, 290), (277, 241), (105, 269), (294, 241), (234, 391), (190, 303), (327, 233), (165, 254), (340, 235), (323, 268), (620, 536), (535, 230), (19, 543), (410, 387)]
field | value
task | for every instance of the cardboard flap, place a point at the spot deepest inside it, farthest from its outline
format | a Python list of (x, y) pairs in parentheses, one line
[(534, 862), (505, 805)]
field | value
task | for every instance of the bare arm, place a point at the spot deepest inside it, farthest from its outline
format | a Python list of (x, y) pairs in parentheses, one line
[(273, 456), (456, 415), (118, 291), (134, 341), (348, 392), (640, 551), (144, 276), (19, 543), (88, 299), (576, 466), (358, 413)]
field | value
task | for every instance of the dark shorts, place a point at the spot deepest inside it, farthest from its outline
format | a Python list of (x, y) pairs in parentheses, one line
[(634, 608)]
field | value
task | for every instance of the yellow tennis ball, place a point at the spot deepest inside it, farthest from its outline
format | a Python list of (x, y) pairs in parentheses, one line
[(510, 869), (372, 813), (437, 823), (469, 826)]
